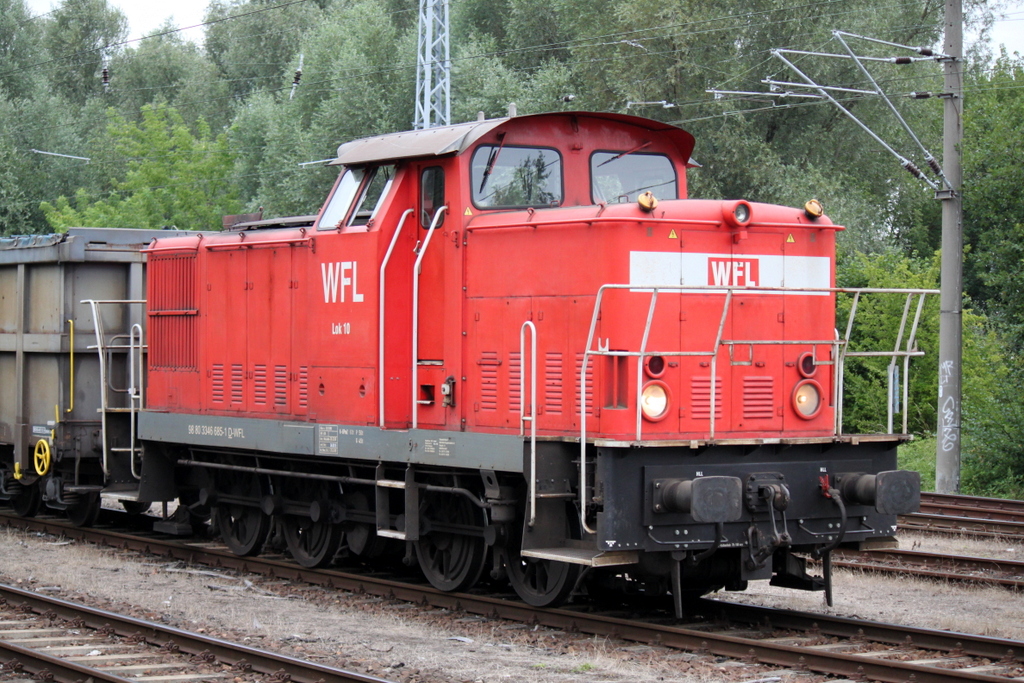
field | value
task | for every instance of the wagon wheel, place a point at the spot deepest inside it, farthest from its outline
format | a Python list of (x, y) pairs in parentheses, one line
[(26, 503), (243, 528), (542, 583), (311, 543), (86, 511), (451, 561), (362, 539)]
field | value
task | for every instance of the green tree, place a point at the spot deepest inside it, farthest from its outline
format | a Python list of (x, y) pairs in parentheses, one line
[(992, 417), (163, 68), (20, 49), (77, 34), (993, 177), (255, 50), (173, 177)]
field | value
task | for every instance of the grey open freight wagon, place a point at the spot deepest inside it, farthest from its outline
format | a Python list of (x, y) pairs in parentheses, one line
[(72, 317)]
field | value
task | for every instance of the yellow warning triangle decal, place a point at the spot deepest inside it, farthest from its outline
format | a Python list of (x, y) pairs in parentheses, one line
[(468, 212), (790, 239), (672, 235)]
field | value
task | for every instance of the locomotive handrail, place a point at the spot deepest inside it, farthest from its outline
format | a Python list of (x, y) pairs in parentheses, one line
[(183, 248), (438, 216), (533, 409), (840, 346), (242, 244), (380, 316), (531, 223)]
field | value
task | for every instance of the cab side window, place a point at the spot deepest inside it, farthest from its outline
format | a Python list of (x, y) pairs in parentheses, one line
[(374, 192), (344, 192), (431, 194)]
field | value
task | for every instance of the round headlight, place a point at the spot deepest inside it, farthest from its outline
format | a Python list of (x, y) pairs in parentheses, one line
[(807, 399), (654, 400), (742, 213)]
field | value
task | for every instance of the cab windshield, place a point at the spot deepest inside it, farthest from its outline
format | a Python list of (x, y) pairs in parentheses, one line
[(621, 177), (516, 177)]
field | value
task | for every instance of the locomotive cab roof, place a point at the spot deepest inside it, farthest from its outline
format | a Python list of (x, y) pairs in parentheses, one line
[(456, 139)]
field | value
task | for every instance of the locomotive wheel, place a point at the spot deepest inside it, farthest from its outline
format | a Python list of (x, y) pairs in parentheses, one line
[(243, 528), (312, 544), (542, 583), (450, 561), (26, 503), (86, 511)]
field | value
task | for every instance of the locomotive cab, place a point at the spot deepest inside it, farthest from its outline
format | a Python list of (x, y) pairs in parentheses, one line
[(518, 344)]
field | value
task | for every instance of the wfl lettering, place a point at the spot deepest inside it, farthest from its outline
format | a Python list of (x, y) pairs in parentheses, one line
[(730, 272), (336, 279)]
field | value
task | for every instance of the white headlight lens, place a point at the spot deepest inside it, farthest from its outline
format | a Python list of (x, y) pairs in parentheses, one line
[(654, 401), (807, 399), (742, 213)]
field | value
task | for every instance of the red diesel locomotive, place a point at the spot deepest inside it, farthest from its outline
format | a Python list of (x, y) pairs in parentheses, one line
[(515, 344)]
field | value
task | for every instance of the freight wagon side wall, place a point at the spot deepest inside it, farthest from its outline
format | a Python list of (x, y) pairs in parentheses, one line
[(43, 283)]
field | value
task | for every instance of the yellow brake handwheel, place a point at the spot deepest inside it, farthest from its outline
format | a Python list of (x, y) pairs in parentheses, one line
[(42, 457)]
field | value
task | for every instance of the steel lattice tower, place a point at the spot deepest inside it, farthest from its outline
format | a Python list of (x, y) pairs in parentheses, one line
[(433, 68)]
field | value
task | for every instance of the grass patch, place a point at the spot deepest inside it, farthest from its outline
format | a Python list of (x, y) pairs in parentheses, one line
[(919, 455)]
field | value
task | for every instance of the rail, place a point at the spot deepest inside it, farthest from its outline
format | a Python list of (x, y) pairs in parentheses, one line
[(905, 348)]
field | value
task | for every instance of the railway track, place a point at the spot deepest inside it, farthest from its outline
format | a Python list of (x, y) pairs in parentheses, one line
[(981, 570), (968, 515), (798, 641), (73, 642)]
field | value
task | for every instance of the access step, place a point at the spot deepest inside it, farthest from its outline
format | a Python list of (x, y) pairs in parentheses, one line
[(585, 556)]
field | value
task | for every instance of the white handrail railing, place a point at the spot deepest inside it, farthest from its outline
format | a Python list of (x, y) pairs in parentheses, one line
[(533, 408), (380, 316), (840, 351), (438, 217)]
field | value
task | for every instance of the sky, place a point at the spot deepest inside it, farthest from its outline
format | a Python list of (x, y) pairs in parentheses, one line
[(145, 15)]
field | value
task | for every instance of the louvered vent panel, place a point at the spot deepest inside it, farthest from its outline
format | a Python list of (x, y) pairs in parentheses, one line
[(489, 381), (280, 385), (553, 383), (758, 398), (303, 386), (237, 383), (217, 383), (172, 312), (515, 373), (259, 385), (700, 397), (588, 384)]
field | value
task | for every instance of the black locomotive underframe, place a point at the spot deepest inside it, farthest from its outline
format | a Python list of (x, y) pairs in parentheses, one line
[(783, 507), (809, 518)]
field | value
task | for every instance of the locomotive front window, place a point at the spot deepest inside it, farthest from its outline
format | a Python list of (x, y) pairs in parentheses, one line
[(621, 177), (341, 200), (516, 177)]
